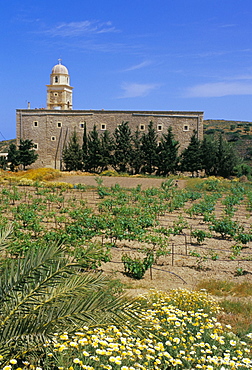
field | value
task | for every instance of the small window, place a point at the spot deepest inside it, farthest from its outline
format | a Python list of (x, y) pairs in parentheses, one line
[(186, 128), (56, 79), (81, 125), (35, 123), (142, 127), (53, 138), (159, 127), (55, 94), (35, 146), (103, 126), (59, 124)]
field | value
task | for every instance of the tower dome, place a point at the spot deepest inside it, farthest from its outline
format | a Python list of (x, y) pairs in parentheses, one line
[(60, 69), (59, 92)]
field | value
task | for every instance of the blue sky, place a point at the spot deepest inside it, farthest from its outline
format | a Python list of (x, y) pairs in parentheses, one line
[(129, 55)]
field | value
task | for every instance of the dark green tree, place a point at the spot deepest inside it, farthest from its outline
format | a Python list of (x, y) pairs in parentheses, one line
[(107, 146), (122, 147), (209, 156), (136, 161), (150, 149), (85, 147), (94, 151), (72, 154), (3, 163), (227, 158), (27, 154), (168, 154), (191, 158), (13, 157)]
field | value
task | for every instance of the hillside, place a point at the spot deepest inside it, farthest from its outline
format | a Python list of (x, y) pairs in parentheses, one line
[(4, 145), (239, 133)]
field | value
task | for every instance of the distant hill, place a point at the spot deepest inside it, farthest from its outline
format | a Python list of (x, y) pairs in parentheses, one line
[(4, 145), (239, 133)]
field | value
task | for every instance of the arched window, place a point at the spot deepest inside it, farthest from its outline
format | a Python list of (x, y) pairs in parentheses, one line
[(56, 79)]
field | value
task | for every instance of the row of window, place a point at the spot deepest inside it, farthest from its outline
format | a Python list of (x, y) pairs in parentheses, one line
[(104, 126), (53, 138)]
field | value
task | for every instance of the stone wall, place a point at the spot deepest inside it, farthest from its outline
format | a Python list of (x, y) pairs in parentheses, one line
[(50, 129)]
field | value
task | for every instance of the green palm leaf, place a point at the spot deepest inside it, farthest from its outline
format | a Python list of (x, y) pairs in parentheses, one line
[(45, 293)]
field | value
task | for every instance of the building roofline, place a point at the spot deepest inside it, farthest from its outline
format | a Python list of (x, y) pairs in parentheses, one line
[(103, 111)]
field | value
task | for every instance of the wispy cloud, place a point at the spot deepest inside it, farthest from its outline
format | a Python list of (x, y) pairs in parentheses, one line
[(73, 29), (228, 25), (134, 90), (138, 66), (218, 89)]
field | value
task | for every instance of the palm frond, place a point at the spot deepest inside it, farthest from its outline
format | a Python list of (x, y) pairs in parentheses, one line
[(45, 292)]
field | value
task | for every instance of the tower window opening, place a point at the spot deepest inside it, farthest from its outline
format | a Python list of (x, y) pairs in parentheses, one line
[(81, 125), (53, 138), (55, 94), (35, 123), (186, 128), (160, 127), (56, 79), (35, 146), (103, 126), (142, 127), (59, 124)]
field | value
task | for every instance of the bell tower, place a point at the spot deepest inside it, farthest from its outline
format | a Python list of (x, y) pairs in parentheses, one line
[(59, 92)]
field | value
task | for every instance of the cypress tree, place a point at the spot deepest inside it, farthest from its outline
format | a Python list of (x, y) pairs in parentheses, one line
[(84, 147), (94, 150), (150, 149), (136, 161), (122, 147), (3, 163), (168, 154), (13, 157), (191, 158), (227, 158), (209, 156), (72, 154), (107, 146), (27, 154)]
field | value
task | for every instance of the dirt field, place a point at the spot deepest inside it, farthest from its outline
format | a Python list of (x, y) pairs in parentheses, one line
[(180, 269), (125, 182)]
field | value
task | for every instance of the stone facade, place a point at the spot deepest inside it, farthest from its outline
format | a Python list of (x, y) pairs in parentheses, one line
[(50, 129)]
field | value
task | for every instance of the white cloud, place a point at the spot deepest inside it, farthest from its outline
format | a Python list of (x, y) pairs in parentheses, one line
[(80, 28), (218, 89), (133, 90), (138, 66)]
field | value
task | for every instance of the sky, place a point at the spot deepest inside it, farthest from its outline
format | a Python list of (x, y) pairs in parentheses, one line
[(181, 55)]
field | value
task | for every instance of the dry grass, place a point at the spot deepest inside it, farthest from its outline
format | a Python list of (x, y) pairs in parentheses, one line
[(237, 308), (221, 288)]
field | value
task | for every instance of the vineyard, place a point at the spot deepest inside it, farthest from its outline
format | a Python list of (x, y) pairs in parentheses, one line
[(57, 312), (163, 237)]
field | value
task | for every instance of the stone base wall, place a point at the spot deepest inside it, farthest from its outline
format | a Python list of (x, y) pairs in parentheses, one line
[(50, 130)]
